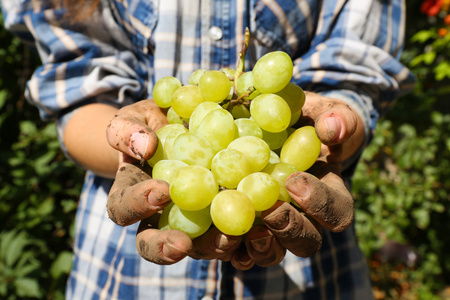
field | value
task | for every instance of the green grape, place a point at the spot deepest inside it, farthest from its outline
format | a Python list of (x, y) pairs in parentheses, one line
[(275, 140), (193, 188), (294, 96), (261, 188), (162, 134), (272, 72), (193, 150), (295, 117), (232, 212), (247, 127), (230, 166), (214, 86), (195, 76), (255, 149), (185, 100), (164, 89), (301, 149), (244, 85), (193, 223), (281, 171), (163, 222), (240, 111), (270, 112), (164, 169), (274, 158), (217, 128), (229, 72), (174, 118), (199, 114), (168, 145)]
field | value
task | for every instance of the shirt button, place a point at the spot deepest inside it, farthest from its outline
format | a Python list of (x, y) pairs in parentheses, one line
[(215, 33)]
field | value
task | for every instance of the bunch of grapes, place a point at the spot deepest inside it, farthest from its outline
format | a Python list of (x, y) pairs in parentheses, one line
[(230, 144)]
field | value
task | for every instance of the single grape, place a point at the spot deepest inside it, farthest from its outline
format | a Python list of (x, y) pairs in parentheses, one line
[(193, 150), (232, 212), (217, 128), (164, 169), (185, 100), (174, 118), (294, 96), (193, 223), (272, 72), (229, 72), (275, 140), (244, 86), (261, 188), (230, 166), (164, 89), (270, 112), (163, 223), (281, 171), (295, 117), (162, 134), (195, 76), (255, 149), (247, 127), (274, 158), (193, 188), (199, 114), (214, 86), (301, 149), (240, 111)]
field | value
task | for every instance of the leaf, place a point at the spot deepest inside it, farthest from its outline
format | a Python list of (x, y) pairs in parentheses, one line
[(61, 265), (429, 57), (422, 36), (15, 248), (27, 287)]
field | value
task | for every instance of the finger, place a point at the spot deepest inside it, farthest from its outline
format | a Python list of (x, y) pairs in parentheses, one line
[(293, 230), (132, 130), (135, 195), (327, 200), (336, 125), (263, 248), (163, 247), (241, 260), (215, 245)]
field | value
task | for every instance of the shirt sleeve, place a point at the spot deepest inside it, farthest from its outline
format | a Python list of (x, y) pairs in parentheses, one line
[(355, 54), (82, 63)]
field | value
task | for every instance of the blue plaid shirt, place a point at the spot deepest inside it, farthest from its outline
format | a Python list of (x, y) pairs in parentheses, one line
[(343, 49)]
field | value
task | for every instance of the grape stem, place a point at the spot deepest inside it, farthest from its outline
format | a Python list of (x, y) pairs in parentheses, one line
[(240, 69)]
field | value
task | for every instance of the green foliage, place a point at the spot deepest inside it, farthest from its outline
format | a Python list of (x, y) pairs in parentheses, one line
[(402, 185), (39, 189)]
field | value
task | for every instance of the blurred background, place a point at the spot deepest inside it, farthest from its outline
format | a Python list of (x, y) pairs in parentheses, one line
[(401, 187)]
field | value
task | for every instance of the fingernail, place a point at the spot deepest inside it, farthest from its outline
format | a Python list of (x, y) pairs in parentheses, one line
[(298, 186), (333, 128), (278, 220), (261, 245), (139, 143), (245, 260), (157, 197), (173, 252), (224, 242)]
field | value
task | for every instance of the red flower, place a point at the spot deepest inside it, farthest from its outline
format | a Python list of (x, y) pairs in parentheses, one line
[(431, 7)]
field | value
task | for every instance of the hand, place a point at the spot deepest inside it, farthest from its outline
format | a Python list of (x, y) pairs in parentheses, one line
[(136, 197), (321, 194)]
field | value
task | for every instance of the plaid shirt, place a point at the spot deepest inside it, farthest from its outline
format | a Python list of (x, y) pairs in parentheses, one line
[(345, 49)]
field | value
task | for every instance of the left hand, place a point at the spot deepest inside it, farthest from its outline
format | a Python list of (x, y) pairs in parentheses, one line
[(320, 192)]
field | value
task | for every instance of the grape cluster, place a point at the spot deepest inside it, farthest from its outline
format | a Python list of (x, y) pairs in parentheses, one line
[(230, 144)]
